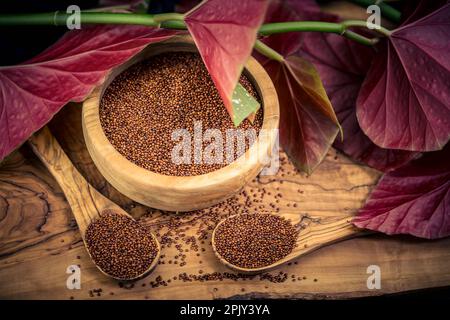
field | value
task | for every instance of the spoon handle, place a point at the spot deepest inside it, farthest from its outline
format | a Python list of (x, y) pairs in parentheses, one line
[(86, 203)]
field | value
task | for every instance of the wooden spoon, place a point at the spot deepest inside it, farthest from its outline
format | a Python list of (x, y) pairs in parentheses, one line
[(314, 233), (87, 204)]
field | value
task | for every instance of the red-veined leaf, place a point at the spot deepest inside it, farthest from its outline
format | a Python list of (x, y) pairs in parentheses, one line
[(308, 124), (342, 65), (225, 32), (307, 127), (404, 102), (413, 199), (32, 92)]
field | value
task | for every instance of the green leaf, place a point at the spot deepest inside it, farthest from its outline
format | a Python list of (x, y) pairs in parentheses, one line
[(244, 104)]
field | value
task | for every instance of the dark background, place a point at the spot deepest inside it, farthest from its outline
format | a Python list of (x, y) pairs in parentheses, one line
[(18, 44)]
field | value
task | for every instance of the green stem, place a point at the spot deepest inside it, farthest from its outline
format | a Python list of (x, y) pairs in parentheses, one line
[(173, 24), (316, 26), (387, 11), (164, 20), (268, 51), (176, 21), (359, 23), (168, 16), (359, 38), (60, 18)]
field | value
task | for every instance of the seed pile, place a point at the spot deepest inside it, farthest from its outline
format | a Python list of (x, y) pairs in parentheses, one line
[(143, 105), (120, 246), (255, 240)]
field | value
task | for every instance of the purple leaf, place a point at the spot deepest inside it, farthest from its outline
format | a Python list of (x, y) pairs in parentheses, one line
[(32, 92), (413, 199), (342, 65), (225, 32), (307, 120), (308, 124), (404, 102)]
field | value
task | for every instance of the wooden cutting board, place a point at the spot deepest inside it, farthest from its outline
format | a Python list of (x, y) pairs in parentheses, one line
[(39, 239)]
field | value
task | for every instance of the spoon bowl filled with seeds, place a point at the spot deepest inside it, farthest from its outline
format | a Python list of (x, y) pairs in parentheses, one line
[(121, 247), (130, 127), (258, 242)]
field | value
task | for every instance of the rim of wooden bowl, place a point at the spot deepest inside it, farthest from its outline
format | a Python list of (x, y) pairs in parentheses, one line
[(107, 158)]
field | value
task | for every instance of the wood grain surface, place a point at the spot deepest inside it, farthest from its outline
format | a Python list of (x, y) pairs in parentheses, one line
[(39, 238), (86, 203)]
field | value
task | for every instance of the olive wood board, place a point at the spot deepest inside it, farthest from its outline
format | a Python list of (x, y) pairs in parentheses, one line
[(39, 239)]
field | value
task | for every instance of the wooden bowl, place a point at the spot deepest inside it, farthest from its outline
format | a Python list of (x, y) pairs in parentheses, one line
[(175, 193)]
